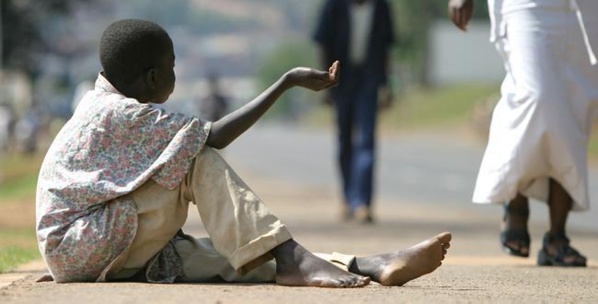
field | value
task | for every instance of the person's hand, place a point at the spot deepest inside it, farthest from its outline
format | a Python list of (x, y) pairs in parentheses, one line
[(460, 12), (314, 79)]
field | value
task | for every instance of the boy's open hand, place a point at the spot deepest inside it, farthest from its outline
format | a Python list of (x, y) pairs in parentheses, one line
[(314, 79)]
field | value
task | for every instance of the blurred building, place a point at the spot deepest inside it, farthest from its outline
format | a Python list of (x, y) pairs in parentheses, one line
[(15, 102), (456, 57)]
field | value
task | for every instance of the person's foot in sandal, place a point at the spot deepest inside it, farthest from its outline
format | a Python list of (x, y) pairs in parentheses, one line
[(514, 237), (557, 251)]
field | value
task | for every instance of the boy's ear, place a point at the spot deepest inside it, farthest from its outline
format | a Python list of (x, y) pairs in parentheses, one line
[(150, 78)]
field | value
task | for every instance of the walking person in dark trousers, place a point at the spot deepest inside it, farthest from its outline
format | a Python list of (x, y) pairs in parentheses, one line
[(358, 33)]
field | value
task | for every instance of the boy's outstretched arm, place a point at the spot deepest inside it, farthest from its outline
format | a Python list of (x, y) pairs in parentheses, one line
[(228, 128)]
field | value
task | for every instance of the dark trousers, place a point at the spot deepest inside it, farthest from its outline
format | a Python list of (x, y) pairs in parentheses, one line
[(356, 112)]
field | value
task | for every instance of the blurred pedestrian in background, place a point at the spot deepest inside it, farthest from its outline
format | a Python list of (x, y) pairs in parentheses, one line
[(214, 105), (26, 131), (7, 121), (358, 33), (541, 126)]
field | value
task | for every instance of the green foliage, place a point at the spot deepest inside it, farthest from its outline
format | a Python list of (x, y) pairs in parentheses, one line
[(423, 108), (20, 188), (183, 13), (593, 146), (29, 28), (203, 22), (437, 107), (18, 176), (177, 11)]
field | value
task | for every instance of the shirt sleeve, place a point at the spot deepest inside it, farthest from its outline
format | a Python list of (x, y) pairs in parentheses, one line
[(172, 140)]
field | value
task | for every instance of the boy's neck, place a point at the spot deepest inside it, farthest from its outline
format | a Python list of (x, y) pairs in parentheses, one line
[(137, 89)]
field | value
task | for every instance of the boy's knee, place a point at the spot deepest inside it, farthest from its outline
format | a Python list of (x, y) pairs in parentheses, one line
[(206, 163), (208, 157), (206, 153)]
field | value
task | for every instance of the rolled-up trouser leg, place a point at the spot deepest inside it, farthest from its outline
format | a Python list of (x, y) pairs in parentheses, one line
[(240, 226), (202, 263), (242, 230)]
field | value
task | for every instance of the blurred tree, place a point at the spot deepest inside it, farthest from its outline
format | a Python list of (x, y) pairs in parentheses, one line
[(25, 36), (48, 42), (292, 53)]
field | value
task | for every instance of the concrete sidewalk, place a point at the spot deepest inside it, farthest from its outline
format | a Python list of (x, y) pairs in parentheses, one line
[(475, 271)]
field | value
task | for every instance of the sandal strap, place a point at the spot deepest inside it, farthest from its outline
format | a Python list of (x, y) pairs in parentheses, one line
[(551, 238), (564, 250)]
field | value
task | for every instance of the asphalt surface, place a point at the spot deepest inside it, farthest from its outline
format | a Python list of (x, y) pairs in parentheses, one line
[(431, 168), (292, 171)]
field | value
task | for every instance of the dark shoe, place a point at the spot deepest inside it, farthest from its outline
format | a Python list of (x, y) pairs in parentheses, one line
[(565, 256), (515, 242), (363, 215), (346, 214)]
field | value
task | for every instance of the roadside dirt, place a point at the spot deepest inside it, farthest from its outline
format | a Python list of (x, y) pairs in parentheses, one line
[(17, 214)]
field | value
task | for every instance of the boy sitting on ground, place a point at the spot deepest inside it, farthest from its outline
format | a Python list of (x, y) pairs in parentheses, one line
[(114, 188)]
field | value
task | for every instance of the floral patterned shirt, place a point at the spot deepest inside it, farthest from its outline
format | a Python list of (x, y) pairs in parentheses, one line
[(110, 147)]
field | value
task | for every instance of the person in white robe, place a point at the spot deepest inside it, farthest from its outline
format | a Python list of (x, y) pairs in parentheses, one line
[(540, 127)]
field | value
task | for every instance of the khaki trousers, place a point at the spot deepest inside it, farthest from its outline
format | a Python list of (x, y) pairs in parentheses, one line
[(242, 230)]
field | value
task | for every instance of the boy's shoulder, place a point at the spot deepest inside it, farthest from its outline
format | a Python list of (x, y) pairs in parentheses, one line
[(97, 106)]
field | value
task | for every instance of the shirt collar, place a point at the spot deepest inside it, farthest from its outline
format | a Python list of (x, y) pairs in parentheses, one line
[(102, 84)]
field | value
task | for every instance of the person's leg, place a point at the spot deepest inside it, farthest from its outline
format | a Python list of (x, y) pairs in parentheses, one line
[(160, 214), (202, 263), (556, 249), (523, 132), (389, 269), (364, 151), (399, 267), (518, 213), (344, 119), (296, 266), (559, 205), (244, 231), (515, 236)]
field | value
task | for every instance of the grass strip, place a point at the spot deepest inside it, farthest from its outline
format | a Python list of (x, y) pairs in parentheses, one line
[(16, 248)]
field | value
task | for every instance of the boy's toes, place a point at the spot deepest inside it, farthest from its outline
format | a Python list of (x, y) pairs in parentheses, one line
[(444, 237)]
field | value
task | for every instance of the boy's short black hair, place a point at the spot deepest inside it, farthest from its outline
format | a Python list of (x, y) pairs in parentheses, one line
[(130, 47)]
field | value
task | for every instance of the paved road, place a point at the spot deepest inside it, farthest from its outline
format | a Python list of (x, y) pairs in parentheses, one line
[(430, 168), (425, 183)]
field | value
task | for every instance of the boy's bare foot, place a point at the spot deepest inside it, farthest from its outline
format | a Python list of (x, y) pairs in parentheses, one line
[(399, 267), (295, 266)]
